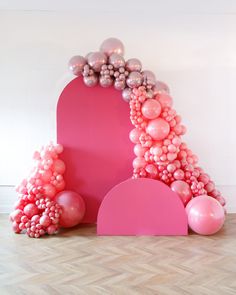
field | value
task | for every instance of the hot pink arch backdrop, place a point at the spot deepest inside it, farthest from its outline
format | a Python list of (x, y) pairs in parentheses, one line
[(93, 126)]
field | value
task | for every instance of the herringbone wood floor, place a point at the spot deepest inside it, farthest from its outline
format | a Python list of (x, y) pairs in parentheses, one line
[(79, 262)]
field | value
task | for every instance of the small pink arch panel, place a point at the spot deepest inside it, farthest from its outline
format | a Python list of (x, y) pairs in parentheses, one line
[(142, 207), (93, 125)]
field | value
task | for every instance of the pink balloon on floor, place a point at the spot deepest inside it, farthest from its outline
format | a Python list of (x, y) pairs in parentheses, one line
[(205, 215), (73, 208), (183, 190)]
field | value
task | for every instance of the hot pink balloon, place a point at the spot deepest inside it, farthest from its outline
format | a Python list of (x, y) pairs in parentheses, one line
[(76, 64), (73, 208), (183, 190), (112, 45), (158, 129), (205, 215), (165, 100), (151, 109)]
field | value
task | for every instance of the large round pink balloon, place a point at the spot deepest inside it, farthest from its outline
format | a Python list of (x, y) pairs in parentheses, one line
[(158, 129), (73, 208), (205, 215), (183, 190)]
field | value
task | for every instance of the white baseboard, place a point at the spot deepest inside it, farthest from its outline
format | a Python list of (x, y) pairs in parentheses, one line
[(8, 197)]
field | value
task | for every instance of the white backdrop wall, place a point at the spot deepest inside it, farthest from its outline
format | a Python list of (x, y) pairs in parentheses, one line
[(191, 45)]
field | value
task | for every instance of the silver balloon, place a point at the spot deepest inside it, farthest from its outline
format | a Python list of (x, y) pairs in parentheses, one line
[(116, 60), (76, 64), (160, 87), (105, 81), (126, 94), (90, 81), (112, 45), (119, 85), (96, 60), (149, 78), (133, 65), (134, 79)]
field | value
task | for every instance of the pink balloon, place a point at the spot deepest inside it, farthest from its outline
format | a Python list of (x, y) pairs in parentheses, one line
[(133, 65), (134, 135), (73, 208), (31, 210), (49, 190), (96, 60), (205, 215), (15, 227), (45, 220), (51, 229), (16, 215), (151, 109), (158, 129), (76, 64), (139, 150), (160, 87), (46, 175), (183, 190), (165, 100), (139, 162), (112, 45), (59, 166), (116, 60)]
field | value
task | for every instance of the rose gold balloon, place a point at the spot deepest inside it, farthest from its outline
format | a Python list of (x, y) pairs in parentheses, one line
[(116, 60), (90, 81), (149, 78), (133, 65), (134, 80), (76, 64), (112, 45), (160, 87), (96, 60), (105, 81), (126, 94)]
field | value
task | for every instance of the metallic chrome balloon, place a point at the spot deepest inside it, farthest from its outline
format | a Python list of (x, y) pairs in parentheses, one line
[(105, 81), (112, 45), (96, 60), (119, 85), (76, 64), (90, 81), (116, 60), (134, 79), (133, 65), (126, 94), (160, 87), (149, 78)]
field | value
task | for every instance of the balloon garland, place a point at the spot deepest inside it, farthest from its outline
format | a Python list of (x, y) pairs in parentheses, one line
[(160, 152), (43, 206)]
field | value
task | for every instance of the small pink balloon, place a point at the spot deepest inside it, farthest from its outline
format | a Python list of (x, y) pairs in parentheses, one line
[(151, 109), (134, 135), (45, 220), (59, 166), (205, 215), (35, 218), (73, 208), (160, 87), (91, 81), (158, 129), (49, 190), (51, 229), (179, 174), (16, 215), (46, 175), (133, 65), (139, 162), (139, 150), (15, 227), (59, 148), (151, 169), (165, 100), (60, 185), (31, 210), (126, 93), (112, 45), (96, 60), (183, 190), (76, 64)]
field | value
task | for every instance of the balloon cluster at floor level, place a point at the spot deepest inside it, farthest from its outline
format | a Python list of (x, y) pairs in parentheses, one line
[(160, 152), (42, 206)]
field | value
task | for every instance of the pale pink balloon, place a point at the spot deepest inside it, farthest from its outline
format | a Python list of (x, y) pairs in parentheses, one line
[(112, 45), (51, 229), (164, 99), (73, 208), (59, 166), (76, 64), (134, 135), (49, 190), (139, 162), (158, 129), (59, 148), (151, 169), (15, 227), (31, 210), (45, 220), (46, 175), (139, 150), (16, 215), (179, 174), (151, 109), (96, 60), (60, 185), (205, 215), (183, 190), (160, 87)]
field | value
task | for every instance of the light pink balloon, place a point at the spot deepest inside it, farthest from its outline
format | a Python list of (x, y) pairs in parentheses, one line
[(45, 220), (31, 210), (46, 175), (205, 215), (16, 215), (96, 60), (158, 129), (112, 45), (160, 87), (139, 162), (59, 166), (76, 64), (73, 208), (49, 190), (133, 65), (139, 150), (15, 227), (134, 135), (51, 229), (165, 100), (183, 190), (151, 109)]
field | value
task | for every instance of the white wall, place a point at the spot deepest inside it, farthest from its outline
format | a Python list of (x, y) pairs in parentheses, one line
[(191, 45)]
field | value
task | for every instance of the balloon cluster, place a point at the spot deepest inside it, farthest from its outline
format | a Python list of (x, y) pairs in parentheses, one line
[(160, 152), (36, 211)]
